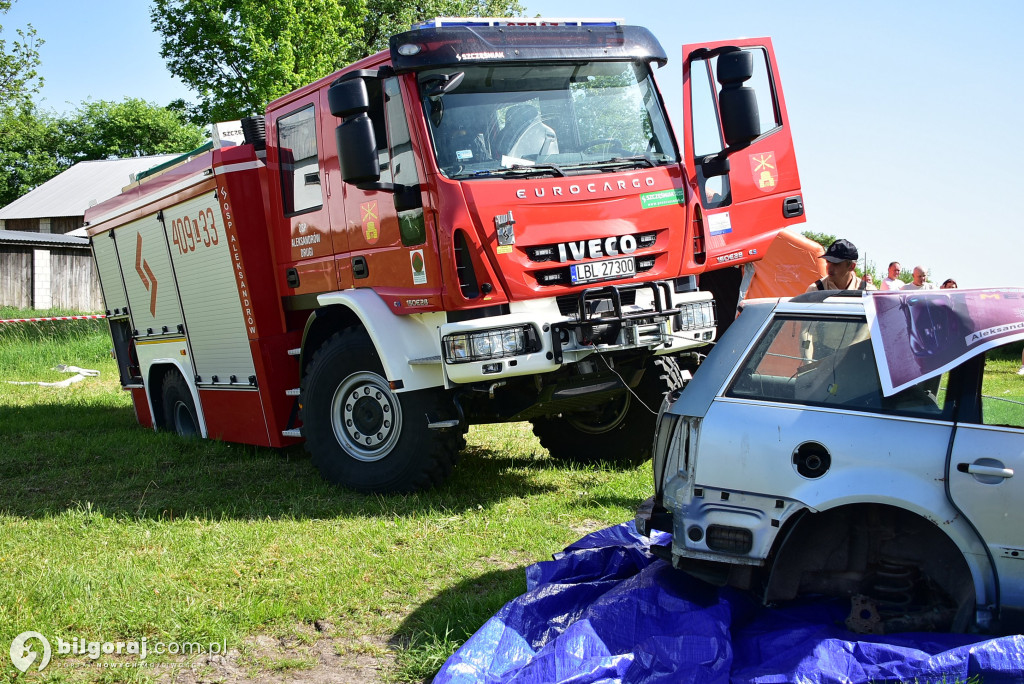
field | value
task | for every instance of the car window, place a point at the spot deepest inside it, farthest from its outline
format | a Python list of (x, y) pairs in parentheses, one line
[(1002, 390), (828, 362)]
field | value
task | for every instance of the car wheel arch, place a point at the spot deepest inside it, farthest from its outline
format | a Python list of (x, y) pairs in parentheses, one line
[(811, 540)]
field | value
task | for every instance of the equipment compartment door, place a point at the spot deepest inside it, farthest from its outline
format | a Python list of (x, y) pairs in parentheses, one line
[(760, 193), (207, 286), (148, 278), (105, 256)]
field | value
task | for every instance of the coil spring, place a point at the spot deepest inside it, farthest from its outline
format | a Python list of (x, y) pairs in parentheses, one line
[(893, 586)]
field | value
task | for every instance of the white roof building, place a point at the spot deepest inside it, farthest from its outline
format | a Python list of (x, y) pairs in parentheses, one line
[(59, 204)]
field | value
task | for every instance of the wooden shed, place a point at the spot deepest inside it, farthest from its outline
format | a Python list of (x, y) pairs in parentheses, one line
[(44, 255), (44, 270)]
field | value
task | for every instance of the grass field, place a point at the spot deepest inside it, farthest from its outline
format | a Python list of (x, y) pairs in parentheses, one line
[(109, 531)]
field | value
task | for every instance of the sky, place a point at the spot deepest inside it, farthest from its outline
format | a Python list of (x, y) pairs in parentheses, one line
[(893, 107)]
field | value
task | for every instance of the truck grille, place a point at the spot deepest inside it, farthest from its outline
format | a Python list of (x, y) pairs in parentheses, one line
[(542, 253)]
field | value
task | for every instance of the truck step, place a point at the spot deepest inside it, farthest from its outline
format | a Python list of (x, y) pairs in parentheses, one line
[(293, 392), (442, 424), (294, 432), (295, 352), (425, 361)]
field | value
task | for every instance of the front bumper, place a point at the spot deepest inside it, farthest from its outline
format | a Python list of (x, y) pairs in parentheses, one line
[(656, 318)]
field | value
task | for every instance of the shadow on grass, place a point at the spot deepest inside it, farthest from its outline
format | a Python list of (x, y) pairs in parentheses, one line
[(70, 456), (438, 627)]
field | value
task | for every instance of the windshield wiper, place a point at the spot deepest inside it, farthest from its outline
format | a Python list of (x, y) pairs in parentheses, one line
[(517, 170), (635, 158), (526, 169), (619, 162)]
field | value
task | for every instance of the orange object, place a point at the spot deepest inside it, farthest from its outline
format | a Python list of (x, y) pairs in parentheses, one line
[(791, 264)]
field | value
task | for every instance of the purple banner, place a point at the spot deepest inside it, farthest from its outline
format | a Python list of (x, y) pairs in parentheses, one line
[(918, 335)]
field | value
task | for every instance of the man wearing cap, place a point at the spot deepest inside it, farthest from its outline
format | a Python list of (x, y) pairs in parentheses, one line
[(842, 257)]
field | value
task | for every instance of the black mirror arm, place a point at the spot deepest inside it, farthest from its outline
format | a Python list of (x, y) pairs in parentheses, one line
[(406, 196), (718, 164)]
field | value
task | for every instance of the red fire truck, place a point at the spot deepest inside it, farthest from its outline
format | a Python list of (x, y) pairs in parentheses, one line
[(490, 221)]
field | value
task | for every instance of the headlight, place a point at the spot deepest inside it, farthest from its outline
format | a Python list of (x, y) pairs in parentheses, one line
[(490, 344), (696, 316)]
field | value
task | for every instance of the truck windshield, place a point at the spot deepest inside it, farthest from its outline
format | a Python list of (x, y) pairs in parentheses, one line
[(556, 119)]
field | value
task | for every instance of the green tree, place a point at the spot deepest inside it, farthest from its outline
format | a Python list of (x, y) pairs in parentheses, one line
[(823, 239), (238, 55), (130, 128), (384, 18), (28, 150), (37, 145), (27, 138), (19, 79)]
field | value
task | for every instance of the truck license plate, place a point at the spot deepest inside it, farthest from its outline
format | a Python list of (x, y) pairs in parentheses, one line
[(623, 267)]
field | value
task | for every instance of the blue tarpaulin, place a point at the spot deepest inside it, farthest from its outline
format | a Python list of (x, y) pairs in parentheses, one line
[(606, 610)]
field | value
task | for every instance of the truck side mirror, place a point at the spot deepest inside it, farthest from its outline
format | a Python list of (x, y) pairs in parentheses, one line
[(357, 150), (348, 97), (355, 137), (741, 122)]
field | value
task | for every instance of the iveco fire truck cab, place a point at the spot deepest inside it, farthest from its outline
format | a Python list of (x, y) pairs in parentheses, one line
[(491, 221)]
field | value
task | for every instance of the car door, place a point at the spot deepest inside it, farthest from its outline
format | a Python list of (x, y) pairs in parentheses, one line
[(745, 206), (986, 470), (804, 419)]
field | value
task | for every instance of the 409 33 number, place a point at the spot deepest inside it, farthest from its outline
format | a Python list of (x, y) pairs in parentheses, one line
[(189, 234)]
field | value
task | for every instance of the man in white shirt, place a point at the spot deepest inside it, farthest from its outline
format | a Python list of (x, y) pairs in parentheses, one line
[(919, 281), (892, 281)]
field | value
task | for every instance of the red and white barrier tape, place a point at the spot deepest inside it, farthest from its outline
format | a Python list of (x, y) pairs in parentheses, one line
[(51, 318)]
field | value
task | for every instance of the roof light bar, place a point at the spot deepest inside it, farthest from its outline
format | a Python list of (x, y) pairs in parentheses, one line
[(439, 22), (442, 44)]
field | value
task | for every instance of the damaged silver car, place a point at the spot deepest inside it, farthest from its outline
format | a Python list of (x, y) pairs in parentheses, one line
[(819, 450)]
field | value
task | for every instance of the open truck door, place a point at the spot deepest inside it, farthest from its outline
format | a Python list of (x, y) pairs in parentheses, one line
[(738, 150)]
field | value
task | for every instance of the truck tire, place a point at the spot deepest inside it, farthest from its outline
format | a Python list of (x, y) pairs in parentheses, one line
[(179, 407), (364, 436), (618, 431)]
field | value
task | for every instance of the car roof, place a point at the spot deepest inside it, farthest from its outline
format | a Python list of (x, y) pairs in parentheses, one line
[(849, 302), (825, 301)]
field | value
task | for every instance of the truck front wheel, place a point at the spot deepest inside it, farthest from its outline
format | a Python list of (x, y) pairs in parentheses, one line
[(363, 435), (617, 431)]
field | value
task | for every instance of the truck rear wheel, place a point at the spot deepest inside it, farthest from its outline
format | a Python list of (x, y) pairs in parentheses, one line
[(363, 435), (617, 431), (179, 407)]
